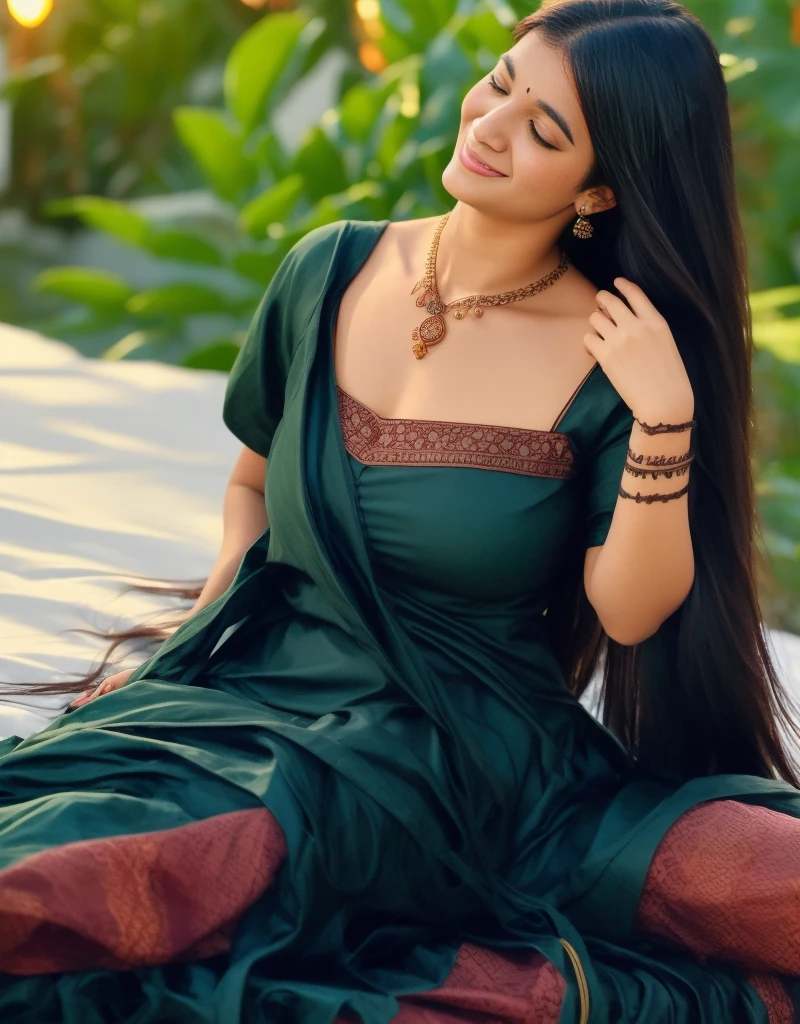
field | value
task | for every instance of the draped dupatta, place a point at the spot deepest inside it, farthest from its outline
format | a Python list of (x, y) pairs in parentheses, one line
[(286, 364)]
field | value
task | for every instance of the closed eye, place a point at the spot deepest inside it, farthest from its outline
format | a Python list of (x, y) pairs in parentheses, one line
[(534, 133)]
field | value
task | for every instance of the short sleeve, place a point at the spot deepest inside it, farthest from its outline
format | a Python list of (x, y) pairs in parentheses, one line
[(605, 473), (255, 392), (253, 403)]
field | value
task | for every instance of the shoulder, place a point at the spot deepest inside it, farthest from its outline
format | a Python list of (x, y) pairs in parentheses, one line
[(349, 238), (338, 236), (318, 240), (308, 265)]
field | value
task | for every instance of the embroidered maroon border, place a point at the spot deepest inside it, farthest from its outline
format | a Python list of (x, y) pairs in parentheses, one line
[(487, 987), (137, 900), (377, 440)]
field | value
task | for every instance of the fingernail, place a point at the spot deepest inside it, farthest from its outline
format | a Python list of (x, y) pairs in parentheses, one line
[(83, 696)]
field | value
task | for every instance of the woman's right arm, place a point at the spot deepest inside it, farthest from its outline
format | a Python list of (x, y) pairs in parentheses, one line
[(244, 519)]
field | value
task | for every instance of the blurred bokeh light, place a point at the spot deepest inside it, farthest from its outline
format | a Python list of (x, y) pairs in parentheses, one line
[(30, 13)]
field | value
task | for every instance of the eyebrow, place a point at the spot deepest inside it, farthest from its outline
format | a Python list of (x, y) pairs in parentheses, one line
[(551, 112)]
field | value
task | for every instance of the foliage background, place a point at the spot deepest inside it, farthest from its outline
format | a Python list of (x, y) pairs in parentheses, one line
[(158, 176)]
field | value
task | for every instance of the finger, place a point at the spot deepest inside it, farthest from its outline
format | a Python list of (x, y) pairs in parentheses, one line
[(602, 324), (105, 687), (594, 345), (82, 698), (639, 302), (90, 695), (619, 311), (605, 313)]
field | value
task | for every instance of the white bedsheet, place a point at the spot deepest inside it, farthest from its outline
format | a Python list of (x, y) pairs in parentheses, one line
[(109, 471)]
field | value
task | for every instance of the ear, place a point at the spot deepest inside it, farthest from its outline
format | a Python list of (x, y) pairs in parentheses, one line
[(601, 199)]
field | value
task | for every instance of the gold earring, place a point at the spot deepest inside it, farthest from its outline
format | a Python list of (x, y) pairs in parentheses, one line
[(582, 228)]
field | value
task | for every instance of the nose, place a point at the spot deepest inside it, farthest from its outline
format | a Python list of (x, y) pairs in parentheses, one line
[(490, 132)]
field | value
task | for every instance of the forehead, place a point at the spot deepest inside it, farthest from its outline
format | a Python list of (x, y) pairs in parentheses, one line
[(545, 70)]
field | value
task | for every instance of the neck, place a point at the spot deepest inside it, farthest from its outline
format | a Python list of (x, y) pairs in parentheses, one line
[(479, 255)]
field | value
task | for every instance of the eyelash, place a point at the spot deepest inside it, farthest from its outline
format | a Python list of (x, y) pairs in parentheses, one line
[(548, 145)]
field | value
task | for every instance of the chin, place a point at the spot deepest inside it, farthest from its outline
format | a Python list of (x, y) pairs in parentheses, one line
[(450, 185), (469, 193), (455, 181)]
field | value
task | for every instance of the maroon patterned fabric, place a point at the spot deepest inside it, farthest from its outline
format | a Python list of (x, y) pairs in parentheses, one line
[(137, 900), (486, 987), (376, 440), (725, 882), (780, 1009)]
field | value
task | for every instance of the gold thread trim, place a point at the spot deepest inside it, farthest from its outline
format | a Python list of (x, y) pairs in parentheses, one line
[(583, 985)]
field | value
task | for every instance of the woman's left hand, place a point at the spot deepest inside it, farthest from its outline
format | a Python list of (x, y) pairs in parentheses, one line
[(112, 682), (638, 354)]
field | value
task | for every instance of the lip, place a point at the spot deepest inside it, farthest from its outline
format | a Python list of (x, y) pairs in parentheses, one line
[(472, 163)]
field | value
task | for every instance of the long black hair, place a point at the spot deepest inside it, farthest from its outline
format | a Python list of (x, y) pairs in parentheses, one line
[(702, 694)]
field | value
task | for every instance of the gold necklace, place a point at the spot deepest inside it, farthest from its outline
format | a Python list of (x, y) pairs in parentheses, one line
[(433, 328)]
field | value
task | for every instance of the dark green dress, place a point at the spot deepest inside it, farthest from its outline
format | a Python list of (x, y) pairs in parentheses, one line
[(377, 676)]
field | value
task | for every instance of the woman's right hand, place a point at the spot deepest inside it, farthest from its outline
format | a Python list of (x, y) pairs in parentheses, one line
[(112, 682)]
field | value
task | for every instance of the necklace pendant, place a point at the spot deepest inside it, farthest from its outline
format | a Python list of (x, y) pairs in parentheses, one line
[(430, 332)]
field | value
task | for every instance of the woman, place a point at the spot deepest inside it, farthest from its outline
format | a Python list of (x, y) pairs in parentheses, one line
[(357, 784)]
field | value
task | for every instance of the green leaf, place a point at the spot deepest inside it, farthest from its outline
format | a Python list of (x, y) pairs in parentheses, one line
[(258, 266), (96, 288), (219, 355), (320, 164), (327, 210), (427, 16), (393, 137), (353, 203), (483, 30), (184, 246), (739, 69), (120, 221), (439, 112), (216, 146), (256, 63), (269, 153), (780, 546), (108, 215), (781, 337), (276, 204), (182, 298), (361, 107), (774, 298)]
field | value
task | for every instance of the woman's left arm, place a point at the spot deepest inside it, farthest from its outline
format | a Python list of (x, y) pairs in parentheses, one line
[(645, 569)]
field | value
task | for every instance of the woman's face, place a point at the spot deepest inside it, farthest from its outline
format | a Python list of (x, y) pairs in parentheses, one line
[(533, 132)]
